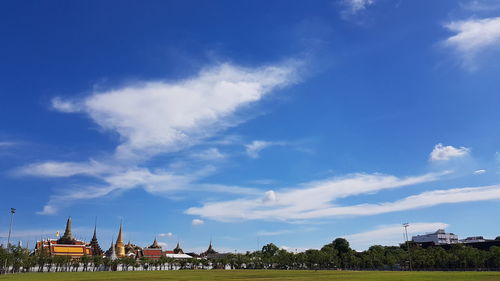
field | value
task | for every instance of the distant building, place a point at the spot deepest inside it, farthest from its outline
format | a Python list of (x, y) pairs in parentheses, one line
[(210, 253), (439, 237), (67, 245), (473, 239)]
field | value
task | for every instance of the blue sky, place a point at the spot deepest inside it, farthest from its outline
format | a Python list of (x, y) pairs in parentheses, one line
[(250, 122)]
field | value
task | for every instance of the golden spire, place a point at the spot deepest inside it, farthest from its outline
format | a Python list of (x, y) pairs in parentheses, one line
[(120, 248)]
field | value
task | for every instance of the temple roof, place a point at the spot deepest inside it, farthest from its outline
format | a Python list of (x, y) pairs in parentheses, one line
[(178, 249), (210, 250), (155, 245)]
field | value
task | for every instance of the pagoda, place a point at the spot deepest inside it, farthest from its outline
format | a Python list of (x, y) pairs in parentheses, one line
[(120, 247), (94, 244)]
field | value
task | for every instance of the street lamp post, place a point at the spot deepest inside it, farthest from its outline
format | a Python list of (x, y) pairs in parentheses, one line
[(405, 225), (12, 212)]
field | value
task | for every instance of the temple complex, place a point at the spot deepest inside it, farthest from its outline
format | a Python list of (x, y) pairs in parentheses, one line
[(68, 245)]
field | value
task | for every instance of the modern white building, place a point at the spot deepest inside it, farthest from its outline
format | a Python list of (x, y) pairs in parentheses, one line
[(439, 237)]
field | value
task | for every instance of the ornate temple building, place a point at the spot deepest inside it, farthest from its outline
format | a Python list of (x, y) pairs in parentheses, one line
[(67, 245), (154, 251)]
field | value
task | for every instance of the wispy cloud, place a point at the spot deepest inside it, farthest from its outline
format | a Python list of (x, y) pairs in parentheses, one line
[(481, 6), (7, 143), (479, 172), (169, 234), (246, 209), (254, 148), (310, 200), (273, 233), (445, 153), (472, 37), (388, 235), (155, 182)]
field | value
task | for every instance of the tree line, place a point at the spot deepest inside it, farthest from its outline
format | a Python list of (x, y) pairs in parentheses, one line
[(335, 255)]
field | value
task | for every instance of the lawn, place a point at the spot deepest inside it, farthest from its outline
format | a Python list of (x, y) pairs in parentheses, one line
[(257, 275)]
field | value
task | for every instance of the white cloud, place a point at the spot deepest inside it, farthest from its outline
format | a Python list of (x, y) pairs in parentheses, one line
[(310, 200), (479, 172), (197, 222), (47, 210), (169, 234), (472, 37), (159, 117), (269, 197), (445, 153), (210, 154), (65, 169), (388, 235), (355, 6), (254, 148), (64, 106)]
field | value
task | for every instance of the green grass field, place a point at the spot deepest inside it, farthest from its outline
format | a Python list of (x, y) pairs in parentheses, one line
[(257, 275)]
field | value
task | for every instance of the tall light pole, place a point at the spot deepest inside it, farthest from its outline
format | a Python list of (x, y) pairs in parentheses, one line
[(12, 212), (405, 225)]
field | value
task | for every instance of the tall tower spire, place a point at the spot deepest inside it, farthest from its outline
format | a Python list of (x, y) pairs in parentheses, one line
[(67, 238), (120, 248), (67, 232), (95, 230)]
